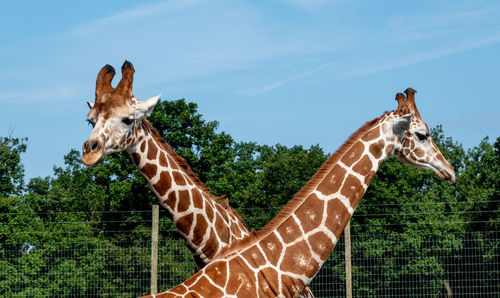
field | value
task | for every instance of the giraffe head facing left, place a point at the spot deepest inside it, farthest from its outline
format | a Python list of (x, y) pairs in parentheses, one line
[(414, 145), (114, 115)]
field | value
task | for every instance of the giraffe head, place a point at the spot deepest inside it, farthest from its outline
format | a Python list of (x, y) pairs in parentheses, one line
[(115, 114), (413, 144)]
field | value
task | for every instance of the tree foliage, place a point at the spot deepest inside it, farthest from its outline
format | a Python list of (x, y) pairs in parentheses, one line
[(11, 168), (80, 211)]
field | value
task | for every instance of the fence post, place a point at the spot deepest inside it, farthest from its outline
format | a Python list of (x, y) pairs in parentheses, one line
[(154, 250), (348, 269)]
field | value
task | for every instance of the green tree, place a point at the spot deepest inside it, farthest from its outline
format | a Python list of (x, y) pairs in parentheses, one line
[(259, 179), (11, 169)]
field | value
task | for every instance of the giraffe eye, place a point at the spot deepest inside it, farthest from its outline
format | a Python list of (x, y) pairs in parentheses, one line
[(127, 121), (90, 123), (421, 137)]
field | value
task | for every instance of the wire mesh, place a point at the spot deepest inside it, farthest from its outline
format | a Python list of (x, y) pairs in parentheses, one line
[(104, 255)]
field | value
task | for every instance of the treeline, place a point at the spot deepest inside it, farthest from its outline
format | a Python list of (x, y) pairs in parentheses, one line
[(81, 211)]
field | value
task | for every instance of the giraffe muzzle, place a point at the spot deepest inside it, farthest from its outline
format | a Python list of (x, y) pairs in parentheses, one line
[(92, 152)]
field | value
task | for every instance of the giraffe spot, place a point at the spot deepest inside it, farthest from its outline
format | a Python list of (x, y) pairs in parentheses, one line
[(364, 166), (143, 146), (211, 246), (254, 257), (333, 180), (106, 130), (202, 287), (238, 280), (267, 279), (199, 230), (291, 286), (369, 177), (180, 289), (221, 229), (209, 212), (184, 201), (136, 158), (163, 184), (197, 199), (440, 157), (222, 212), (419, 152), (310, 214), (149, 170), (353, 190), (122, 139), (217, 272), (371, 135), (184, 223), (163, 160), (235, 230), (152, 150), (272, 248), (376, 149), (336, 210), (298, 260), (172, 163), (242, 226), (353, 154), (179, 178), (388, 149), (289, 230), (171, 200), (321, 244)]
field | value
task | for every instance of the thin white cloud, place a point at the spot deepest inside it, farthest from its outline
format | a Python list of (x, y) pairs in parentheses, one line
[(148, 11), (463, 46), (272, 86)]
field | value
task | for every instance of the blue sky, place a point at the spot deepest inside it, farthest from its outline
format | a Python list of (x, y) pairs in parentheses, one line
[(289, 72)]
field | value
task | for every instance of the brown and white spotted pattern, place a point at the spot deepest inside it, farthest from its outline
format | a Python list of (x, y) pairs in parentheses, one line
[(286, 254), (207, 224)]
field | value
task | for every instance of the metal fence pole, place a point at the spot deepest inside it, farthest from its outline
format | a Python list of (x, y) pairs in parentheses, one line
[(348, 269), (154, 250)]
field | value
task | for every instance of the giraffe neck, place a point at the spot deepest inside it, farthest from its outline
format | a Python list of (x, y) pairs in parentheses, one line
[(207, 224), (309, 228), (286, 254)]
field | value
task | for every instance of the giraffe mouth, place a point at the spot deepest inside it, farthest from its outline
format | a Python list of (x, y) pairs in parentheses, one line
[(446, 175), (92, 158), (92, 153)]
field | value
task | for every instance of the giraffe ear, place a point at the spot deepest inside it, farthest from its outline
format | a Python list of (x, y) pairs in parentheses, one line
[(401, 125), (90, 104), (145, 108)]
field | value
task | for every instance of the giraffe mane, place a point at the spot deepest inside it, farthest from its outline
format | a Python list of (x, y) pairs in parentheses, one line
[(301, 195), (187, 169)]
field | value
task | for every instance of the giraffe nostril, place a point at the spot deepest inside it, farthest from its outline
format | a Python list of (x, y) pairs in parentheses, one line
[(95, 145)]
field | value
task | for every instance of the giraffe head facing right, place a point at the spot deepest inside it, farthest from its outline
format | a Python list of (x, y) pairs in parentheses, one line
[(412, 142), (114, 115)]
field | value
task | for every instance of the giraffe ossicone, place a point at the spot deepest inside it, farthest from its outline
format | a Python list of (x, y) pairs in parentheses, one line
[(207, 224), (283, 257)]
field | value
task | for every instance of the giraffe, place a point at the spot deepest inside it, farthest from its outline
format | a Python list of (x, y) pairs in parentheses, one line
[(284, 256), (119, 123), (207, 224)]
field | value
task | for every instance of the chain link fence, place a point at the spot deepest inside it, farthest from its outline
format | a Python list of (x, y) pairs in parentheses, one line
[(104, 255)]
